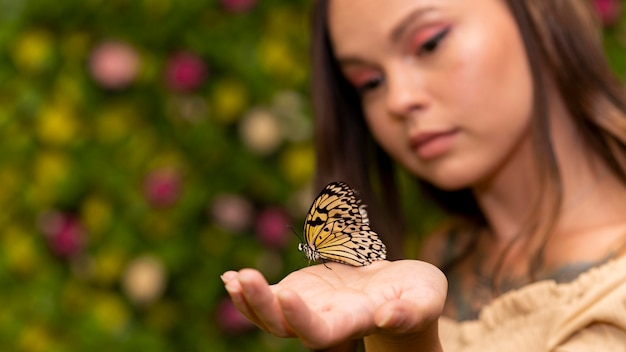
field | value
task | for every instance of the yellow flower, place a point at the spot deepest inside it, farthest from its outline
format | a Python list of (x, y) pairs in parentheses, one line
[(108, 265), (115, 123), (51, 168), (229, 100), (57, 125), (96, 214), (33, 51), (34, 338), (298, 163), (20, 250), (276, 58), (110, 312)]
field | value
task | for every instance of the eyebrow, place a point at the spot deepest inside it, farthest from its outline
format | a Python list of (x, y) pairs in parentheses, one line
[(396, 33), (402, 26)]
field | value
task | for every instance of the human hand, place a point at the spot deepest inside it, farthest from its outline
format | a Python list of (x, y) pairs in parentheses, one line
[(392, 302)]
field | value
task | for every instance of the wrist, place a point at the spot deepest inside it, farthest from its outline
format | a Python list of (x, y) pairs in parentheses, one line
[(422, 341)]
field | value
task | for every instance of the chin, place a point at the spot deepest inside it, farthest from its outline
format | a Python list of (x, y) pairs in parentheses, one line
[(449, 179), (450, 185)]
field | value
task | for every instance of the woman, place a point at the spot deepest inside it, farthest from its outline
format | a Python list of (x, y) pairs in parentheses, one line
[(508, 114)]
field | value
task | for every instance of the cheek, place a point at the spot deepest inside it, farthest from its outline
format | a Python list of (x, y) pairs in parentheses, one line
[(494, 75), (387, 132), (379, 127)]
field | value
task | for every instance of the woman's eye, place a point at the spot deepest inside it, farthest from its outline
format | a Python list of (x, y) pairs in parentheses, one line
[(369, 85), (431, 44)]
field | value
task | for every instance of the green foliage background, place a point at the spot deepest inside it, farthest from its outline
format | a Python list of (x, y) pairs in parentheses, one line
[(71, 146)]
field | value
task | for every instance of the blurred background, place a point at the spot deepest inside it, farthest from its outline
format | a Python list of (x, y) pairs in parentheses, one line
[(146, 146)]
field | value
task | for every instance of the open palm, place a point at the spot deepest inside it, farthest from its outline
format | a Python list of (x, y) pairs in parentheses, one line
[(324, 305)]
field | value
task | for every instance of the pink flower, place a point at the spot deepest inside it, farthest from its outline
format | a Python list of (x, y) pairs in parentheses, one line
[(65, 234), (162, 187), (272, 227), (185, 72), (114, 64), (232, 212), (609, 11), (238, 6), (230, 320)]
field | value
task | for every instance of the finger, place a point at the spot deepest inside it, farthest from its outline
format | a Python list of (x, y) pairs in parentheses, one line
[(234, 289), (262, 302), (322, 328), (228, 276), (306, 324), (402, 316)]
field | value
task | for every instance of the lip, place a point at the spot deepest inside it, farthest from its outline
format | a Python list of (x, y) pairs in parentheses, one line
[(431, 144)]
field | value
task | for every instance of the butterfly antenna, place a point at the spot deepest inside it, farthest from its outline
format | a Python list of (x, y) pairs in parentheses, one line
[(295, 233)]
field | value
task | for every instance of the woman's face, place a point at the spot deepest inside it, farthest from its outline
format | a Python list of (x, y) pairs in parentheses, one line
[(445, 85)]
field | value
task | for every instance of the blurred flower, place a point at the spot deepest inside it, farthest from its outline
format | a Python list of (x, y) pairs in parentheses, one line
[(288, 102), (20, 251), (35, 337), (57, 124), (298, 163), (229, 99), (114, 64), (108, 264), (110, 312), (115, 122), (144, 280), (272, 227), (289, 106), (189, 108), (52, 168), (33, 51), (275, 57), (162, 187), (610, 11), (185, 71), (232, 212), (238, 6), (260, 131), (64, 232), (230, 320), (96, 213)]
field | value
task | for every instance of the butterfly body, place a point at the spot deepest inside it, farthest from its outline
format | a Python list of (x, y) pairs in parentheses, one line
[(337, 229)]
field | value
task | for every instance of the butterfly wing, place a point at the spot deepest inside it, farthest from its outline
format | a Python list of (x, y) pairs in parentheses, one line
[(337, 228), (350, 243)]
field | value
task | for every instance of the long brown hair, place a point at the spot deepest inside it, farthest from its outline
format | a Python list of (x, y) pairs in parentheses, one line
[(561, 38)]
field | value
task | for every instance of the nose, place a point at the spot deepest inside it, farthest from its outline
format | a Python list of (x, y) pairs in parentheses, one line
[(406, 93)]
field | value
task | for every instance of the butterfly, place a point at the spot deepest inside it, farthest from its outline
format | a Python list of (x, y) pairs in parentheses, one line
[(337, 229)]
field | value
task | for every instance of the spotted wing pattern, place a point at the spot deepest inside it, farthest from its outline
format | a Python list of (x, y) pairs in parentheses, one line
[(337, 229)]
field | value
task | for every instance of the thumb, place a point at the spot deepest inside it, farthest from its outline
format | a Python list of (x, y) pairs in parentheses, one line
[(403, 316)]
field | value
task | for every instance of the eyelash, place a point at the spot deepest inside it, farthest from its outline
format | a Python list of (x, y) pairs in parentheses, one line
[(431, 44), (369, 85), (426, 48)]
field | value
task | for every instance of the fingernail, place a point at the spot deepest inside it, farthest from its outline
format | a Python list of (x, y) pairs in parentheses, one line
[(391, 319), (384, 321), (231, 288), (227, 276)]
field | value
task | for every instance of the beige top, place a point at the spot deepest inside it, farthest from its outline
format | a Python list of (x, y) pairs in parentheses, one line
[(587, 314)]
